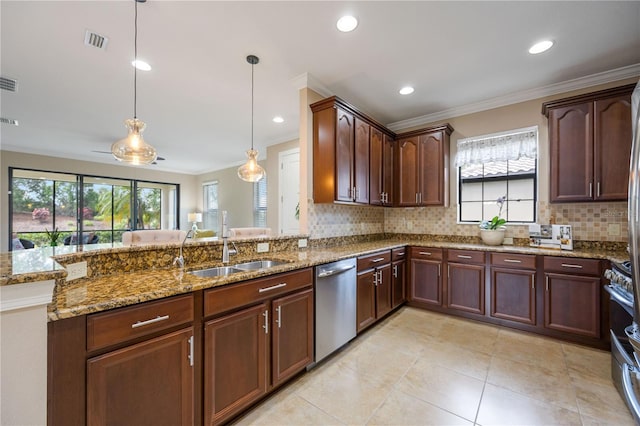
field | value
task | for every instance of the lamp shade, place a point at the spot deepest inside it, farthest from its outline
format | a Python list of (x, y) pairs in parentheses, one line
[(251, 171), (195, 217), (133, 149)]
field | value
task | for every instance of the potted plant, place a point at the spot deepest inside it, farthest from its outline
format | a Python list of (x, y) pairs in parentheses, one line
[(53, 236), (492, 231)]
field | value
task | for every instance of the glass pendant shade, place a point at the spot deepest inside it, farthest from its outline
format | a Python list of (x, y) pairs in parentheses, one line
[(251, 171), (133, 149)]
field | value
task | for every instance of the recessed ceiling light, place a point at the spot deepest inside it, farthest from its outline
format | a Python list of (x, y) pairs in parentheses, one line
[(141, 65), (347, 23), (278, 119), (540, 47), (406, 90)]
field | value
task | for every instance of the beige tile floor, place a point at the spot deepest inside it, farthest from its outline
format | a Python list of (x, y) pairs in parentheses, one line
[(418, 367)]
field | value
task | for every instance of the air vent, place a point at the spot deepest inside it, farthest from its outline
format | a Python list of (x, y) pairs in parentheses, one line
[(8, 121), (8, 84), (95, 40)]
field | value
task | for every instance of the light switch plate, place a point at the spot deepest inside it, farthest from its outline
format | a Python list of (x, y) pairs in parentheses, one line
[(76, 270), (613, 229), (302, 243), (262, 247)]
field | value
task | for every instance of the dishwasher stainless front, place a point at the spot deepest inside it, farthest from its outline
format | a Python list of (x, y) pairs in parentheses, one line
[(335, 306)]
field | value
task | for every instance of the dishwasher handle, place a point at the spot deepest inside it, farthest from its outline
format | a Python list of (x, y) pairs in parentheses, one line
[(329, 272)]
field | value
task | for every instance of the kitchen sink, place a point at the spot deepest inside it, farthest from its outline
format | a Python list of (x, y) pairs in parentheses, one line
[(219, 271), (258, 264)]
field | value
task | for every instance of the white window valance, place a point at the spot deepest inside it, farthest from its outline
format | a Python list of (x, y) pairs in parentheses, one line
[(511, 145)]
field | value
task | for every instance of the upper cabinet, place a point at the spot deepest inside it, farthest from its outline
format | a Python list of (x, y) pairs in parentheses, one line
[(380, 168), (344, 142), (423, 167), (590, 145)]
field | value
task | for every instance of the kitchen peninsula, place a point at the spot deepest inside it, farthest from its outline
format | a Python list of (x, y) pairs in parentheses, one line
[(124, 278)]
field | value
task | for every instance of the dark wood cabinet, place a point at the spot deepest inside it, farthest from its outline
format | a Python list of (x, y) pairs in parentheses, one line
[(374, 299), (423, 167), (572, 295), (465, 281), (398, 277), (426, 276), (348, 148), (590, 146), (513, 287), (147, 383), (381, 168), (235, 360)]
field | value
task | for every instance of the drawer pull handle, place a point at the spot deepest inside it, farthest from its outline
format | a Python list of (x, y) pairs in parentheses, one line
[(273, 287), (151, 321), (426, 253), (400, 254), (571, 265), (380, 259), (464, 256), (513, 261)]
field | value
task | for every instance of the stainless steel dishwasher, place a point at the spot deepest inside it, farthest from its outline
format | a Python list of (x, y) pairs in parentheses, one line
[(335, 306)]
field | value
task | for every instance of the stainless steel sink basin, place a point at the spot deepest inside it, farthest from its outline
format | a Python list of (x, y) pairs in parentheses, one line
[(258, 264), (220, 271)]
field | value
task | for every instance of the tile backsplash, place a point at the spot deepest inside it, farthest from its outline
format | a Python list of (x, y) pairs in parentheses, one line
[(590, 221)]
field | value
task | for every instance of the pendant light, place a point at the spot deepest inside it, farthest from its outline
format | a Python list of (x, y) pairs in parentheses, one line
[(133, 149), (251, 171)]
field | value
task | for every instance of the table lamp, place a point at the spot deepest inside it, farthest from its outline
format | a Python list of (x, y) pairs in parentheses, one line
[(195, 218)]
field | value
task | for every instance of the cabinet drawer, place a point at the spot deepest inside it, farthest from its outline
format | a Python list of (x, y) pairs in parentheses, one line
[(510, 260), (572, 265), (465, 256), (117, 326), (234, 296), (426, 253), (372, 260), (398, 253)]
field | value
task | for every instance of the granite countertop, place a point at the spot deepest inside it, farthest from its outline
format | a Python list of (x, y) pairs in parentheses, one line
[(88, 295)]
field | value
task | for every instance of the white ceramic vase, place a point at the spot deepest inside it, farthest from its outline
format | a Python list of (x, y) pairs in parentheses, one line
[(492, 237)]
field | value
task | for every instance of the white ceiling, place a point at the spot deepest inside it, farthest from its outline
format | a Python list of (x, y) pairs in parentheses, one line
[(72, 99)]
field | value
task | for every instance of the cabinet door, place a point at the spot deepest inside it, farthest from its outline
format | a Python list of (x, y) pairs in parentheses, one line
[(572, 304), (235, 351), (432, 169), (292, 335), (148, 383), (571, 146), (426, 281), (612, 136), (408, 174), (376, 167), (398, 293), (383, 291), (513, 295), (344, 156), (387, 170), (465, 288), (366, 299), (361, 163)]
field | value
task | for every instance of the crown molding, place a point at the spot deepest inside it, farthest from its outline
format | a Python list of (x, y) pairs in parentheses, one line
[(526, 95), (308, 80)]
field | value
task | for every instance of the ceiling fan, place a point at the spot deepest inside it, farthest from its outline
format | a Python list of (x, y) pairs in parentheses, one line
[(109, 152)]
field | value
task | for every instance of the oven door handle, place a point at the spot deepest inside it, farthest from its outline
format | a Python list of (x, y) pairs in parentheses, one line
[(629, 394), (614, 295)]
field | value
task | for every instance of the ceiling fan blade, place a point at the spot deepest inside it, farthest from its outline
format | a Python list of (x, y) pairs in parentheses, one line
[(102, 152)]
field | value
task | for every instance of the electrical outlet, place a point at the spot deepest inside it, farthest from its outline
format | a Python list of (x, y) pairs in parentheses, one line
[(263, 247), (613, 229), (410, 225), (302, 243), (508, 241), (76, 270)]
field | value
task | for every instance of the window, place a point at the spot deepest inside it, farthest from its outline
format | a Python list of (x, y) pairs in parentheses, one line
[(260, 203), (494, 166), (87, 208), (211, 214)]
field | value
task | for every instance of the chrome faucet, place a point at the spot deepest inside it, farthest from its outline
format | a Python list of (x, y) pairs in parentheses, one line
[(226, 251), (180, 260)]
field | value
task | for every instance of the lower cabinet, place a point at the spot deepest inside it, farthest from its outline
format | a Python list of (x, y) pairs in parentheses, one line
[(248, 351), (465, 281), (398, 276), (513, 287), (374, 286), (147, 383), (426, 276)]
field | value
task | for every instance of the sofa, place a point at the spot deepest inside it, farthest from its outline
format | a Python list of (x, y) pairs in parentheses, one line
[(153, 236)]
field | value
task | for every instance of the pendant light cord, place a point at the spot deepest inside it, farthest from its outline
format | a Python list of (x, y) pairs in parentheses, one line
[(252, 106), (135, 65)]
